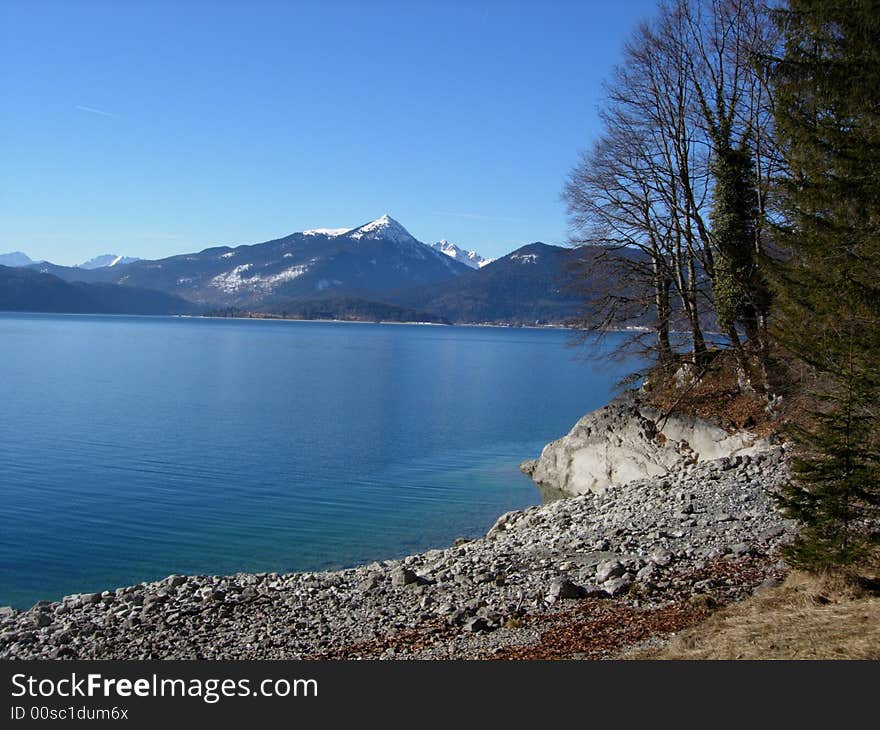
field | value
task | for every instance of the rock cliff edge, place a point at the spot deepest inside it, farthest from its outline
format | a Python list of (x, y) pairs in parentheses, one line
[(628, 439)]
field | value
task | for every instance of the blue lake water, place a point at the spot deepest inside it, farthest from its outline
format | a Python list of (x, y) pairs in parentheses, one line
[(136, 447)]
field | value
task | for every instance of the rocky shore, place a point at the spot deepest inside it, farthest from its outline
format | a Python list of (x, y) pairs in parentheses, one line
[(630, 439), (586, 576)]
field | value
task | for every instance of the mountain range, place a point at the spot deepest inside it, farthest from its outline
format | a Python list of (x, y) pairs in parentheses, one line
[(15, 258), (107, 259), (528, 286), (22, 289), (377, 271), (468, 258)]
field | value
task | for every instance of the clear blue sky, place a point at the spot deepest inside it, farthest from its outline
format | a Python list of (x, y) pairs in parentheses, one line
[(153, 128)]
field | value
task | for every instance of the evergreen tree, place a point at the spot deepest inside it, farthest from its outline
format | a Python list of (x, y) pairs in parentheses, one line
[(828, 122)]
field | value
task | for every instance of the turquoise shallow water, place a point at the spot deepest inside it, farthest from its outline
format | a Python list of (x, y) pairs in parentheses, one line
[(135, 447)]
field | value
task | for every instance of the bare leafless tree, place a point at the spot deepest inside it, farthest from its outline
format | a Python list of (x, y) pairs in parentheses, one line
[(689, 89)]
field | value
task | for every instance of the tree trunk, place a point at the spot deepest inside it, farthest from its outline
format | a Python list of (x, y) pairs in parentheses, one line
[(743, 378), (662, 285)]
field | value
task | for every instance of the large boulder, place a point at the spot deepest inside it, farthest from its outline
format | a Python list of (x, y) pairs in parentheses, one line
[(628, 440)]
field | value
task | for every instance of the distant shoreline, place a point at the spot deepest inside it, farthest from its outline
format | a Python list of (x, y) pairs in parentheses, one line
[(492, 325), (385, 321)]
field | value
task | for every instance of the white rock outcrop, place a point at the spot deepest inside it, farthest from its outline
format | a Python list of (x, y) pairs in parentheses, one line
[(629, 440)]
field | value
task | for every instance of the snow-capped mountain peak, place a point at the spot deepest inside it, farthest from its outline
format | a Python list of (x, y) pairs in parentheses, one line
[(15, 258), (107, 259), (383, 227), (468, 258)]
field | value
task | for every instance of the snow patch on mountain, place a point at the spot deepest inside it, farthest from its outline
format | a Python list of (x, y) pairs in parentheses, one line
[(524, 258), (232, 281), (267, 283), (332, 232)]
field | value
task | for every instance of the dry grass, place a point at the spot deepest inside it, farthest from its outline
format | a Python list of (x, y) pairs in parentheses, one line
[(597, 629), (807, 617), (716, 395)]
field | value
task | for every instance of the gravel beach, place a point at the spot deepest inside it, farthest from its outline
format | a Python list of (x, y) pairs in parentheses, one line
[(586, 576)]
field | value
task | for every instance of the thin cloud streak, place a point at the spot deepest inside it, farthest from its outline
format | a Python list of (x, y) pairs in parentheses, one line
[(475, 216), (93, 110), (157, 236)]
